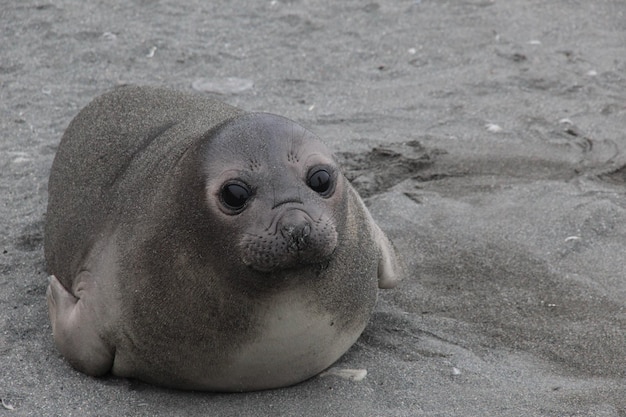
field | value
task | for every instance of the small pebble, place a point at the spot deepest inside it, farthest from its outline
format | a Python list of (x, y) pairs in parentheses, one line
[(109, 36), (350, 374), (493, 128), (6, 405)]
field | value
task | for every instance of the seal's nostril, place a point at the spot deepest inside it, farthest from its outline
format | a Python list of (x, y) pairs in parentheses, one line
[(287, 231), (297, 231)]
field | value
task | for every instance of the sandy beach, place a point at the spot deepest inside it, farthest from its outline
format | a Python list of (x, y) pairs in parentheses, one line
[(488, 138)]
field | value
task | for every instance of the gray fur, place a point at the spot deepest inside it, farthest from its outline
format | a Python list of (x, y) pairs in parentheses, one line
[(152, 279)]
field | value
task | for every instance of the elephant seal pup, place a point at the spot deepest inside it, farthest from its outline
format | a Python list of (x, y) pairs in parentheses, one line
[(197, 246)]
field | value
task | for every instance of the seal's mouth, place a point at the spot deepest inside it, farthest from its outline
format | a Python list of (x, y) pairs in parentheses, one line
[(296, 259), (289, 250)]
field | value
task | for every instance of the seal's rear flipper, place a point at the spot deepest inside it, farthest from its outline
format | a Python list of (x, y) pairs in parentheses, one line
[(75, 329)]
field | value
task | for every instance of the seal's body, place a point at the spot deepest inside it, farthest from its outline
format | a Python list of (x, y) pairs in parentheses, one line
[(197, 246)]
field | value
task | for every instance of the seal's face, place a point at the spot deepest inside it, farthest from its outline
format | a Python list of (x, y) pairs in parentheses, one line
[(277, 186)]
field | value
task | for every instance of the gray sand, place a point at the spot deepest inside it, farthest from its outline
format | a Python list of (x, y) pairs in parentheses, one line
[(488, 136)]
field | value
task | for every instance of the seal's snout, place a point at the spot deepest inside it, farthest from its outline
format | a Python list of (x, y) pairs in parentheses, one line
[(295, 227), (294, 239)]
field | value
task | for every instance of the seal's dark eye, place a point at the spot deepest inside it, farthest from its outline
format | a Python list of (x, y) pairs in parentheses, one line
[(235, 196), (320, 181)]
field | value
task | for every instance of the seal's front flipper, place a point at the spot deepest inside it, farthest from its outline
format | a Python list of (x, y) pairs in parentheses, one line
[(75, 327), (389, 267)]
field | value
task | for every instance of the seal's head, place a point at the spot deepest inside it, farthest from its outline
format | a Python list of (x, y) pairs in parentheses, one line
[(278, 191)]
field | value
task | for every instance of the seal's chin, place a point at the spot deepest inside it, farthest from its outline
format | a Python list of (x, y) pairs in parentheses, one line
[(291, 261)]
